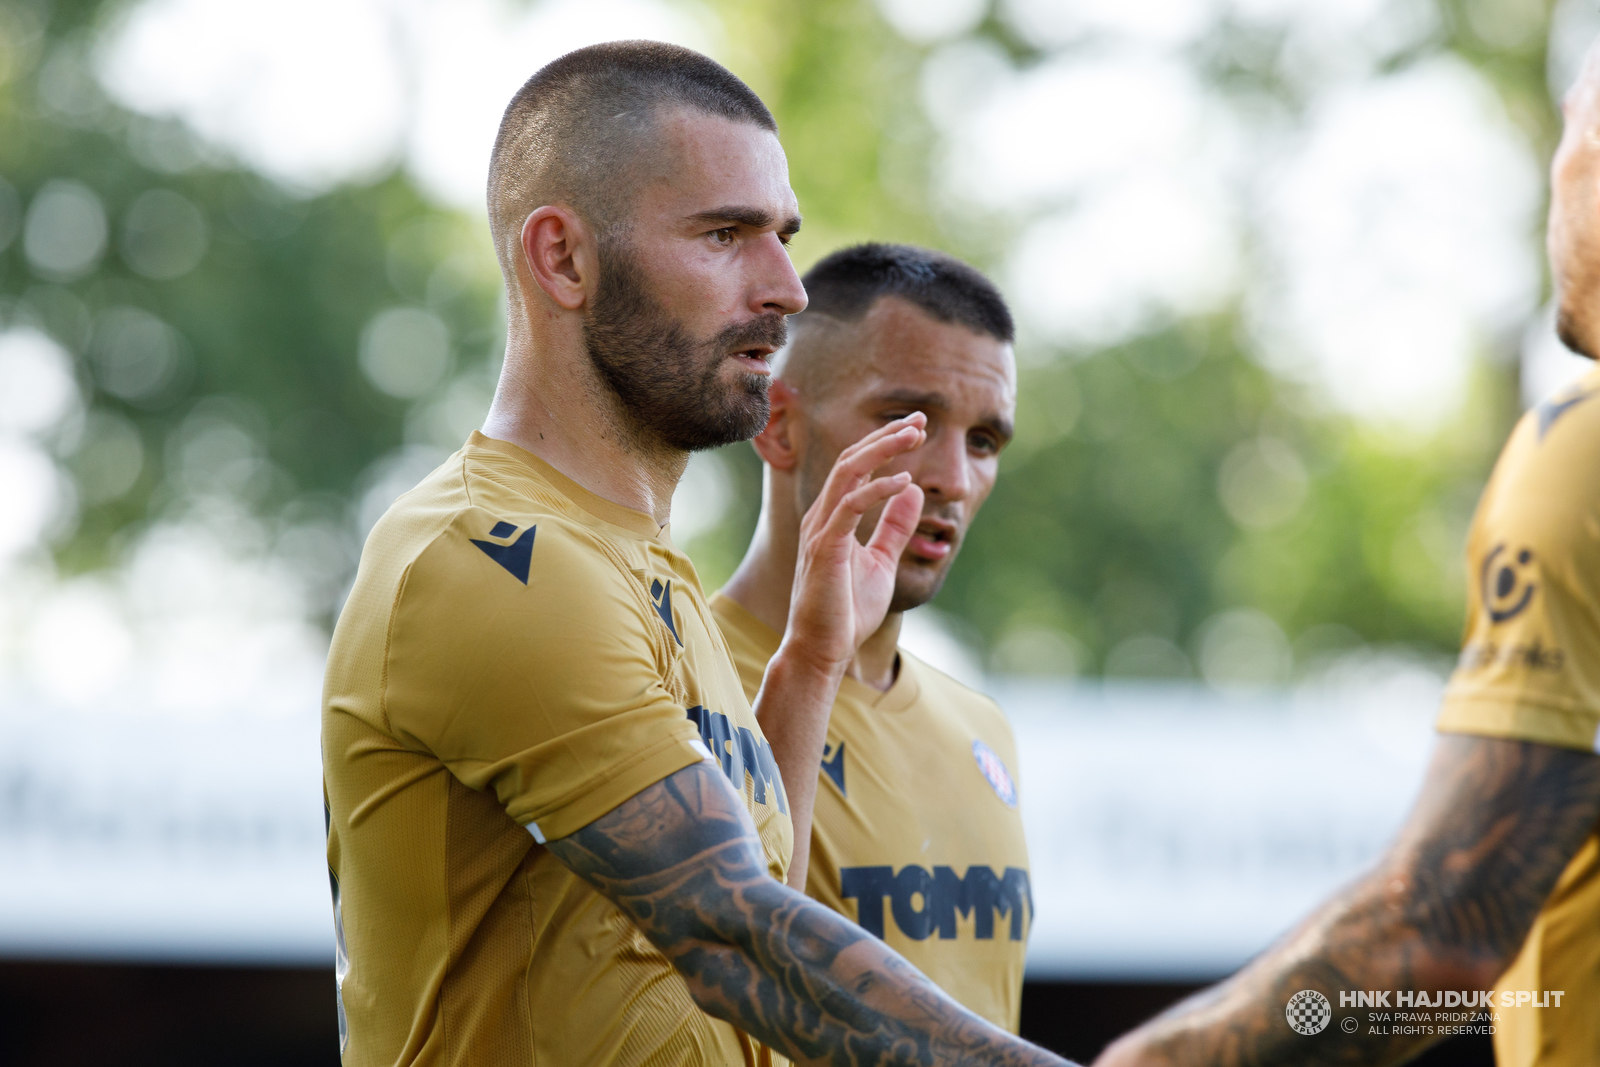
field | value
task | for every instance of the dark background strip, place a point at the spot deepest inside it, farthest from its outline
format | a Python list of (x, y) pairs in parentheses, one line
[(55, 1014)]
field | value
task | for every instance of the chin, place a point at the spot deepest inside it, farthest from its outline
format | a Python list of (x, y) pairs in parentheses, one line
[(915, 590), (1571, 332)]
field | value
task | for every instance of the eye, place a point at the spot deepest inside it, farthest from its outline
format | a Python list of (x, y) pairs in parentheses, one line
[(986, 443), (724, 236)]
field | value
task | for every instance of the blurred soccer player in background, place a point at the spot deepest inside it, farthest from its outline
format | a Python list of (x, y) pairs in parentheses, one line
[(1495, 878), (557, 830), (916, 833)]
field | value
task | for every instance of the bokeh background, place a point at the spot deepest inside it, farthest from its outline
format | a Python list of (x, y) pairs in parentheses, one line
[(1278, 272)]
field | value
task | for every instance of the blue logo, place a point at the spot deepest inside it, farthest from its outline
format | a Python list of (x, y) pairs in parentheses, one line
[(514, 557), (740, 753), (1554, 408), (661, 596), (995, 773), (943, 895), (833, 767)]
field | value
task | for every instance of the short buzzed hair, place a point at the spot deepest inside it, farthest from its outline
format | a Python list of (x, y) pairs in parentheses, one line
[(846, 284), (572, 133)]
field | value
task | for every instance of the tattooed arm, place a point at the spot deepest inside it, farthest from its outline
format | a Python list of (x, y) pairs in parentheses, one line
[(682, 859), (1448, 907)]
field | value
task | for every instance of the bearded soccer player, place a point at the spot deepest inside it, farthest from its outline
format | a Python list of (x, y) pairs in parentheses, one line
[(916, 833), (558, 832), (1495, 879)]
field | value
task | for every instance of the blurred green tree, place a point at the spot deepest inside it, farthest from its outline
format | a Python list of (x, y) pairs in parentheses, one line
[(232, 335)]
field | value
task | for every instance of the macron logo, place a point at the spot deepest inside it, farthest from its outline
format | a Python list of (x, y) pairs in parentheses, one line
[(661, 597), (833, 767), (514, 557)]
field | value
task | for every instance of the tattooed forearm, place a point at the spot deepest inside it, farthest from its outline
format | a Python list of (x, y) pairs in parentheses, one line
[(1447, 908), (683, 860)]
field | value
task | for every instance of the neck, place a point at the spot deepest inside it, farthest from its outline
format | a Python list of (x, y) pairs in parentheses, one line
[(559, 409), (764, 582)]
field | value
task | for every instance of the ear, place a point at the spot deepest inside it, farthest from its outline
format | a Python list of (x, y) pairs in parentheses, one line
[(558, 250), (779, 444)]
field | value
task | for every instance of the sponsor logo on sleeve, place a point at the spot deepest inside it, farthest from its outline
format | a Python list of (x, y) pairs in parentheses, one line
[(738, 752), (1507, 585), (1506, 582)]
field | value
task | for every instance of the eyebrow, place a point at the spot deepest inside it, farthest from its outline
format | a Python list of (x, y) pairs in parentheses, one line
[(936, 401), (753, 217)]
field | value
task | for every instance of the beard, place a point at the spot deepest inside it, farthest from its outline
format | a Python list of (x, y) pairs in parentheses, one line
[(668, 383)]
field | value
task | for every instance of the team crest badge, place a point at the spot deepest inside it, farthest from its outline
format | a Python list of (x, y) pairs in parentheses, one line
[(994, 771)]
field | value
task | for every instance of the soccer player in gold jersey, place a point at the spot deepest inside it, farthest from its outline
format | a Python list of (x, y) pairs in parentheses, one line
[(916, 833), (1492, 888), (557, 829)]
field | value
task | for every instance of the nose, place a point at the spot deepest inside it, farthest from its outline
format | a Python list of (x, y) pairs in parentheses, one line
[(777, 287), (943, 468)]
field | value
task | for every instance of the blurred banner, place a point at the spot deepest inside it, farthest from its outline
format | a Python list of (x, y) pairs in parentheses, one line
[(147, 836), (1173, 831)]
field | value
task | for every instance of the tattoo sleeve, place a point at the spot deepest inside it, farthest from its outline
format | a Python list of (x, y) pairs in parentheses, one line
[(1448, 907), (683, 860)]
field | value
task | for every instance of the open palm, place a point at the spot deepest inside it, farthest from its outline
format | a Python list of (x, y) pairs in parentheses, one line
[(842, 587)]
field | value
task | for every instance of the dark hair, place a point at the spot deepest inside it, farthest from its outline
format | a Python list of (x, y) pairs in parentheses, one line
[(572, 132), (847, 283)]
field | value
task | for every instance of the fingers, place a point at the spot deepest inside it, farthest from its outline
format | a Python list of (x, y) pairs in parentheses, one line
[(897, 523), (856, 463), (844, 519)]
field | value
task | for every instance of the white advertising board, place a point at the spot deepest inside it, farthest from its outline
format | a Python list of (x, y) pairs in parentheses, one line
[(1172, 832)]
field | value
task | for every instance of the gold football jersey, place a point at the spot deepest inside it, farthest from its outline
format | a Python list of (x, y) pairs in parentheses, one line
[(517, 657), (916, 834), (1530, 670)]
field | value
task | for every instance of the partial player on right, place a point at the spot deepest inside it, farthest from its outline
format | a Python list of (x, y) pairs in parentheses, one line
[(1495, 878)]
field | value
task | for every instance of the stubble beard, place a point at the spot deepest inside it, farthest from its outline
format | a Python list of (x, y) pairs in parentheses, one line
[(669, 386)]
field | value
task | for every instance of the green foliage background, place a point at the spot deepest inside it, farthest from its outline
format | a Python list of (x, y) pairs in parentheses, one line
[(1106, 522)]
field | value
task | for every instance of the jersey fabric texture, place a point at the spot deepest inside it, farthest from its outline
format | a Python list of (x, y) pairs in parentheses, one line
[(517, 657), (916, 833), (1530, 671)]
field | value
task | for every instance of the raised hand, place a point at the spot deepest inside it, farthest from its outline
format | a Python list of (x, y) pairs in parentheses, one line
[(842, 587), (841, 593)]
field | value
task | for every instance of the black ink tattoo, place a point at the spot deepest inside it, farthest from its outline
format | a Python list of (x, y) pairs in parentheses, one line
[(1448, 907), (683, 860)]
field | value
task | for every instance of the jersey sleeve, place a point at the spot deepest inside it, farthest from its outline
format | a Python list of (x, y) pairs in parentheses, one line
[(550, 693), (1530, 663)]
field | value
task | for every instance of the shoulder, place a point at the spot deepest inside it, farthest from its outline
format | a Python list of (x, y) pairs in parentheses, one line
[(943, 695), (509, 554), (1541, 495), (1553, 454)]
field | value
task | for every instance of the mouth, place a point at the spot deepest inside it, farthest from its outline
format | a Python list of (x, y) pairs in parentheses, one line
[(757, 359), (933, 541)]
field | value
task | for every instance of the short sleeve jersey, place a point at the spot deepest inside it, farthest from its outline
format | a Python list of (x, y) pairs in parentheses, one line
[(1530, 671), (517, 657), (916, 833)]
